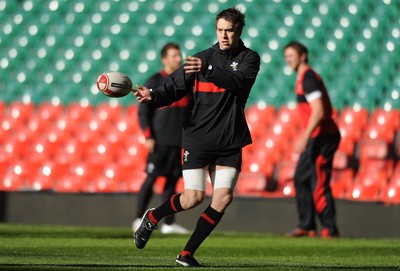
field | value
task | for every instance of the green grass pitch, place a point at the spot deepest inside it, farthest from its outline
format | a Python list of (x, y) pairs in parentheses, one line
[(24, 247)]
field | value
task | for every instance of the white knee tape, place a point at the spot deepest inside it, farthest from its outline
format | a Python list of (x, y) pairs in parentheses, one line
[(224, 178), (195, 179)]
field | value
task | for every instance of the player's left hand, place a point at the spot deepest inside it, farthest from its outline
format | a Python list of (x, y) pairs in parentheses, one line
[(194, 64), (301, 145)]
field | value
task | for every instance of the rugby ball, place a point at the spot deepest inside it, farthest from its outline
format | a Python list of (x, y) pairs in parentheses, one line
[(114, 84)]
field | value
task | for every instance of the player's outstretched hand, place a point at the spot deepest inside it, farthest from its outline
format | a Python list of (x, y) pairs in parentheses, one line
[(142, 94), (193, 64)]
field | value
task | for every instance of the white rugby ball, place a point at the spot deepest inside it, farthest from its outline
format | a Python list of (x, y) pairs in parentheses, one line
[(114, 84)]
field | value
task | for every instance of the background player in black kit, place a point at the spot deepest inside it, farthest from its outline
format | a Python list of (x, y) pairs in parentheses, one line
[(215, 132), (163, 131), (317, 145)]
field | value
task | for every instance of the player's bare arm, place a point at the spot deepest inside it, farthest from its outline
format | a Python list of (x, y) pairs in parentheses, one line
[(142, 94)]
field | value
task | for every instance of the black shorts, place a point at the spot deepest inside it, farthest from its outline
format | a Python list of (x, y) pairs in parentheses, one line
[(165, 161), (193, 159)]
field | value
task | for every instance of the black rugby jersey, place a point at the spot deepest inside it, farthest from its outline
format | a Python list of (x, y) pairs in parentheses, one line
[(163, 124), (217, 120)]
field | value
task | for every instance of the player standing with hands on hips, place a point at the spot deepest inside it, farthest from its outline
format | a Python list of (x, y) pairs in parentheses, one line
[(317, 145), (215, 132)]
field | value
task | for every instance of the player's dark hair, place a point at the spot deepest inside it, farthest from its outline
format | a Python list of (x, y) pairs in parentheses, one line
[(299, 47), (235, 16), (166, 47)]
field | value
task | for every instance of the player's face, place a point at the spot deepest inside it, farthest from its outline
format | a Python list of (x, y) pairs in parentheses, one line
[(292, 58), (173, 59), (227, 38)]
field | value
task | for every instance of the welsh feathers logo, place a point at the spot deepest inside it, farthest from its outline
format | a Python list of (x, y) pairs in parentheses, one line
[(234, 65), (185, 156)]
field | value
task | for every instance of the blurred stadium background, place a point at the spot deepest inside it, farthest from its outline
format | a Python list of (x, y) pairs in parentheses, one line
[(57, 133)]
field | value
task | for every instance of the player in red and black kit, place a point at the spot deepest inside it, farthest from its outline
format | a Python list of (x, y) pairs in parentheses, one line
[(215, 132), (163, 131), (317, 145)]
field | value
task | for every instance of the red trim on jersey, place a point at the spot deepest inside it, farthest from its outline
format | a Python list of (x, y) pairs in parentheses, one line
[(184, 102), (209, 220), (164, 73), (182, 154), (207, 87), (299, 81), (172, 203), (319, 192)]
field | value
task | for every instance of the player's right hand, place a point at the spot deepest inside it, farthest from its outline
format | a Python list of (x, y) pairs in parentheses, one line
[(142, 94)]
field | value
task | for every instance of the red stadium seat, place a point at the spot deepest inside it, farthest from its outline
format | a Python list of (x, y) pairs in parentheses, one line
[(108, 112), (377, 165), (3, 107), (68, 184), (76, 113), (382, 117), (355, 118), (44, 148), (259, 162), (347, 146), (48, 174), (134, 149), (372, 149), (132, 111), (38, 126), (341, 181), (285, 172), (258, 120), (349, 131), (21, 111), (11, 182), (9, 124), (63, 124), (395, 179), (105, 151), (87, 172), (286, 190), (105, 184), (127, 125), (379, 132), (289, 116), (20, 174), (270, 147), (340, 160), (372, 177), (158, 186), (283, 131), (391, 194), (251, 184), (180, 186), (262, 116), (362, 192), (49, 112), (72, 150), (13, 150)]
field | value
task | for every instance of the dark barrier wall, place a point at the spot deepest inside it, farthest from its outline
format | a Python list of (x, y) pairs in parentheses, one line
[(355, 219)]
